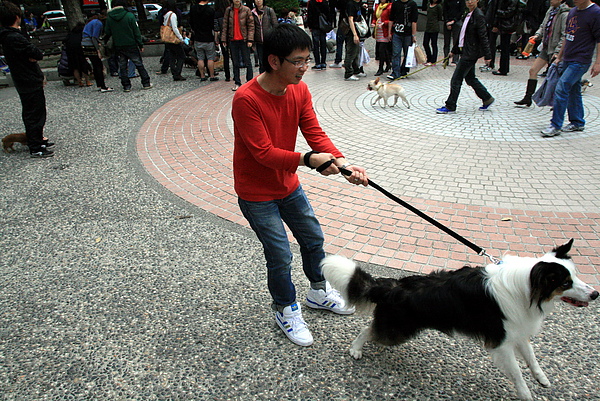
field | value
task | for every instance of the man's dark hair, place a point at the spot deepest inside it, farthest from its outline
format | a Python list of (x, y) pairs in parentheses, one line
[(119, 3), (9, 13), (282, 41)]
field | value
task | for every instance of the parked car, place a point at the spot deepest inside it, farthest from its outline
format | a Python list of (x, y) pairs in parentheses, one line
[(55, 15), (133, 9), (153, 10)]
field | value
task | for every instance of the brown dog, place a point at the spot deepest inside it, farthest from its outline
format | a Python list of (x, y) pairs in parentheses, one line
[(9, 140)]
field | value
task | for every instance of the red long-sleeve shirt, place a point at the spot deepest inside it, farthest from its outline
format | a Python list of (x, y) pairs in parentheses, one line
[(265, 129)]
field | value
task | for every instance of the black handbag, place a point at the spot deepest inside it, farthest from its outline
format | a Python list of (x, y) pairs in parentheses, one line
[(324, 25)]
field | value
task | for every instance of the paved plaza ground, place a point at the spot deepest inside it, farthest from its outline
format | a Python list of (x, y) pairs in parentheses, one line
[(129, 273)]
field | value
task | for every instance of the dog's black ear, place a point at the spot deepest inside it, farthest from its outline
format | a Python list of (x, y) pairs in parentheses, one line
[(545, 278), (561, 251)]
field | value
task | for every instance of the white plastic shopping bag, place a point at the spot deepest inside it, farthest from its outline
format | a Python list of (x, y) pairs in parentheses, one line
[(411, 60), (363, 57)]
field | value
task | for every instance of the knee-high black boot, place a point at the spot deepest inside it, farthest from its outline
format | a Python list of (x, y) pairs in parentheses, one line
[(526, 101)]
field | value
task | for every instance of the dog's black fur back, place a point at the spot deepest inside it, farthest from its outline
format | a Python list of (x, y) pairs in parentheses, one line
[(448, 301)]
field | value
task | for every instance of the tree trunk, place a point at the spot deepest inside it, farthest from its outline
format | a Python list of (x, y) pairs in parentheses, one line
[(73, 12)]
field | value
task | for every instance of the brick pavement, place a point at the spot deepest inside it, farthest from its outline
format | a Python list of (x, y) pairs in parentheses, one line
[(487, 175)]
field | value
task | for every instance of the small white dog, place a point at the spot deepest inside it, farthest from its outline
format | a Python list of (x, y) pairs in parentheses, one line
[(385, 91)]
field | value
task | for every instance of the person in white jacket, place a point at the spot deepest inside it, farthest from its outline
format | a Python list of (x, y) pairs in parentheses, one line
[(175, 50)]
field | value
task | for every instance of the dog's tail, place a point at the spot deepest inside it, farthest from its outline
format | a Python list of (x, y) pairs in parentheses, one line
[(357, 287)]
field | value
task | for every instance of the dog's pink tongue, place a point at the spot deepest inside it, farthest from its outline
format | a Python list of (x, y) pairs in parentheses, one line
[(574, 302)]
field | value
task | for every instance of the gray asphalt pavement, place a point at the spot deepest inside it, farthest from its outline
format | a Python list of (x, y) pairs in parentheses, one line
[(112, 288)]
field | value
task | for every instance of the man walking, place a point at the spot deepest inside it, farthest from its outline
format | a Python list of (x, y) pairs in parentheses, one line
[(582, 37), (127, 39), (472, 44)]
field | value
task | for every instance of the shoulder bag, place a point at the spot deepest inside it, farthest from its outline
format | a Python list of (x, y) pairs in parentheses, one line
[(362, 28), (324, 25), (166, 33)]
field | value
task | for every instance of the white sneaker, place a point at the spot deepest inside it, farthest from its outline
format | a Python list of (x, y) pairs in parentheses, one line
[(352, 78), (293, 325), (573, 128), (330, 300), (361, 75), (335, 65), (550, 132)]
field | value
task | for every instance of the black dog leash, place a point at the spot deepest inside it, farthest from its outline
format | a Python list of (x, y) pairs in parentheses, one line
[(480, 251)]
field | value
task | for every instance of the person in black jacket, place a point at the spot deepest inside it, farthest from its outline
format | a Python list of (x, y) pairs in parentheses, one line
[(472, 44), (316, 10), (22, 58), (453, 11), (503, 16)]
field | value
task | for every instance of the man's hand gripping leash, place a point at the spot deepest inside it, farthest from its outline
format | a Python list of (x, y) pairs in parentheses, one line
[(354, 174)]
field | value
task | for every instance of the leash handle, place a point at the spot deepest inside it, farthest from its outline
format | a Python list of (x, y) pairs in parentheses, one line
[(455, 235)]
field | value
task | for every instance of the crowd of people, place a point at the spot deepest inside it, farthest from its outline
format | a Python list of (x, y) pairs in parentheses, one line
[(560, 31)]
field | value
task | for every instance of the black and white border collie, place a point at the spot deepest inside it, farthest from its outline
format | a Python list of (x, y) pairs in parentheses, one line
[(501, 305)]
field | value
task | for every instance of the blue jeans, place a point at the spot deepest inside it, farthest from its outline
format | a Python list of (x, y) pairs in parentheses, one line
[(400, 44), (266, 219), (567, 95), (133, 54)]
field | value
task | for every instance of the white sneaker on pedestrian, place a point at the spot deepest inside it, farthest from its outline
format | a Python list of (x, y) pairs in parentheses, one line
[(330, 300), (293, 325), (573, 128), (352, 78), (550, 132), (361, 74), (335, 65)]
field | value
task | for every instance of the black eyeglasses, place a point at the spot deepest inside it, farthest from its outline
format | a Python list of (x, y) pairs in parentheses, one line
[(299, 63)]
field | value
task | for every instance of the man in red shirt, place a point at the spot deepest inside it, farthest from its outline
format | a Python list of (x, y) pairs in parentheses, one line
[(267, 113)]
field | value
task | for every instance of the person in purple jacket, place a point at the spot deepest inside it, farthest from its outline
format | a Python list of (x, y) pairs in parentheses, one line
[(582, 37)]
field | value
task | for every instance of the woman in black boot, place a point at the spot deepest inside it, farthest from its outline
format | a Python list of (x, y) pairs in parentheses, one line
[(382, 35), (551, 34)]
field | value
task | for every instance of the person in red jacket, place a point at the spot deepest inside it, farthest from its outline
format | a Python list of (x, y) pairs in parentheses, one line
[(267, 113)]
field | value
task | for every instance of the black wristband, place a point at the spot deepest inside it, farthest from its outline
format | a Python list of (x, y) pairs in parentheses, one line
[(307, 156)]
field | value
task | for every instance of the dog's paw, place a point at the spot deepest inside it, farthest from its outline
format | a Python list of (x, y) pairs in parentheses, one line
[(541, 377), (356, 353), (543, 380)]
